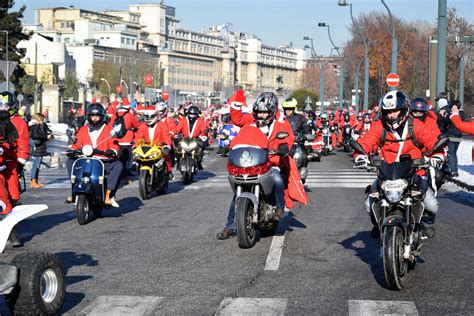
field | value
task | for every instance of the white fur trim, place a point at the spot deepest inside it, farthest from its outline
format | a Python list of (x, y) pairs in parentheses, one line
[(22, 161)]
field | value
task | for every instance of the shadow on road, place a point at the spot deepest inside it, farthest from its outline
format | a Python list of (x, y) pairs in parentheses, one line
[(71, 259), (127, 205), (40, 224), (288, 223), (367, 249), (461, 197)]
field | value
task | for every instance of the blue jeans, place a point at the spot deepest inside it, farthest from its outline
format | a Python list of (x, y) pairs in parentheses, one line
[(453, 157), (36, 166), (279, 197)]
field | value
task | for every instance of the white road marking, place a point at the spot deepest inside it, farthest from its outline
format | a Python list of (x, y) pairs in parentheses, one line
[(252, 306), (116, 305), (276, 249), (372, 308)]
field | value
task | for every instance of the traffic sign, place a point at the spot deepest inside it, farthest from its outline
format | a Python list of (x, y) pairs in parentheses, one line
[(11, 65), (393, 80), (308, 100)]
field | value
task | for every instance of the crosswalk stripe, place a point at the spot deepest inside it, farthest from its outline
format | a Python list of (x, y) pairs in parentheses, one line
[(252, 306), (117, 305), (372, 308)]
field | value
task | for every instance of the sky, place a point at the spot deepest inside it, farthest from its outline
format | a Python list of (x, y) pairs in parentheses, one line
[(275, 22)]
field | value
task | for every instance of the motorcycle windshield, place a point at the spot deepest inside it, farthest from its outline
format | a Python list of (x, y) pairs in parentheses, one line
[(248, 156), (396, 170)]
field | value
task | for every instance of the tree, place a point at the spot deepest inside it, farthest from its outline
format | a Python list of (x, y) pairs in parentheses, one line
[(27, 85), (301, 94), (71, 86), (10, 21)]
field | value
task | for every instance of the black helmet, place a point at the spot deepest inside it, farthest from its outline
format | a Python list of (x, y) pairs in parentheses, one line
[(95, 109), (332, 116), (366, 118), (394, 100), (192, 113), (420, 105), (266, 102), (311, 115)]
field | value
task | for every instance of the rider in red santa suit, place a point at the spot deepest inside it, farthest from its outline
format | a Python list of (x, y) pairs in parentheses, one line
[(396, 123), (363, 126), (23, 143), (256, 130), (98, 135), (192, 126), (9, 186), (153, 129)]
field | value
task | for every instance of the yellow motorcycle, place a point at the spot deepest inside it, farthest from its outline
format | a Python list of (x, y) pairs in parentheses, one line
[(152, 167)]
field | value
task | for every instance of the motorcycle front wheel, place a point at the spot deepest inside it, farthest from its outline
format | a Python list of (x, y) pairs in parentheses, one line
[(246, 229), (145, 184), (83, 210), (394, 265)]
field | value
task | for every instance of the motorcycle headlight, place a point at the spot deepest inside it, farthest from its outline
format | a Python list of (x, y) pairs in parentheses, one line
[(86, 179), (394, 189), (188, 147), (87, 150)]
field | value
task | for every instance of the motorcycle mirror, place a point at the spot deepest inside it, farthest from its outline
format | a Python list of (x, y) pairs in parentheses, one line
[(310, 137), (282, 135), (357, 146), (115, 130), (87, 150)]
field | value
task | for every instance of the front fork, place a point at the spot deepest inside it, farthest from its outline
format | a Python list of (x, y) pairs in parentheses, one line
[(256, 192)]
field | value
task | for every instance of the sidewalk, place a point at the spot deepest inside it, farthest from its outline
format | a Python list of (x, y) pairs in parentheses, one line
[(465, 164)]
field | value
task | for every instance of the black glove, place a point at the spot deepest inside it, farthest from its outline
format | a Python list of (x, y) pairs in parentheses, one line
[(166, 150), (110, 153), (71, 153), (283, 150)]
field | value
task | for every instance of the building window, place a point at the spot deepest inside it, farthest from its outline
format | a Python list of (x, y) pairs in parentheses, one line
[(128, 41), (133, 42), (123, 40)]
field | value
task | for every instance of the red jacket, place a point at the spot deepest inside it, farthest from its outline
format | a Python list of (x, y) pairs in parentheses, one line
[(23, 140), (198, 128), (432, 122), (104, 142), (160, 135), (463, 127), (362, 127), (171, 123), (250, 134), (131, 124), (8, 152), (390, 150)]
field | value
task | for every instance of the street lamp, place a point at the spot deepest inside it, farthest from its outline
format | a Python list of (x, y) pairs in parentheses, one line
[(412, 30), (128, 91), (343, 3), (341, 58), (393, 65), (321, 73), (107, 83), (6, 57)]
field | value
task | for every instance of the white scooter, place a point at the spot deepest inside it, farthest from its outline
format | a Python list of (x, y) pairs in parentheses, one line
[(33, 283)]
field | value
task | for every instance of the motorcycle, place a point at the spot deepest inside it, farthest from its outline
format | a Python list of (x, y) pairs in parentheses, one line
[(151, 165), (398, 211), (346, 137), (300, 155), (188, 152), (33, 283), (250, 177), (88, 181), (326, 138)]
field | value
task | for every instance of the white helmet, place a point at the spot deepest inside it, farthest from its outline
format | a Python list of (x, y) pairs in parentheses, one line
[(150, 115), (162, 109)]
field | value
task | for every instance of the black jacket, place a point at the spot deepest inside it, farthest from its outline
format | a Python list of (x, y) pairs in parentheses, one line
[(299, 125), (39, 136)]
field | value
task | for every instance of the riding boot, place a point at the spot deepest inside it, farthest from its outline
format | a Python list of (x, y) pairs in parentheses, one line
[(14, 240), (108, 200)]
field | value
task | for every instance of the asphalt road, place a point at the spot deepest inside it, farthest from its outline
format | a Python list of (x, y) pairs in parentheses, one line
[(161, 257)]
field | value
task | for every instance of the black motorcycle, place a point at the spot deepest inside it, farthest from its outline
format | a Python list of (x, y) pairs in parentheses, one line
[(398, 211), (188, 152), (346, 137), (300, 155), (250, 177)]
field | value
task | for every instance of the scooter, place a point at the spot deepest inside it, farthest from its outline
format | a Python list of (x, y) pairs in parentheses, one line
[(89, 182), (33, 283)]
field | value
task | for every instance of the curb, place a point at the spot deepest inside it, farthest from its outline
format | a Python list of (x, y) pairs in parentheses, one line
[(463, 185)]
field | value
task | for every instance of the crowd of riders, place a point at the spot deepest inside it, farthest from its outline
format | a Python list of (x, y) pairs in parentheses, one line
[(113, 127)]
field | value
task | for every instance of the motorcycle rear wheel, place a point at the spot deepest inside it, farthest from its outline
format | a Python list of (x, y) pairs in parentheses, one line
[(83, 210), (145, 184), (394, 265), (246, 230)]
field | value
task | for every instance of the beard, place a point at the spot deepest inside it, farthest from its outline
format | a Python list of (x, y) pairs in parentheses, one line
[(8, 132)]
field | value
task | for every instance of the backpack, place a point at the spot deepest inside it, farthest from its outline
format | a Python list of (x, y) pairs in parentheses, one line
[(411, 136), (119, 124)]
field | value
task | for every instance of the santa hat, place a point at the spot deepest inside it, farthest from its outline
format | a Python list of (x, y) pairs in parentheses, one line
[(237, 99)]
